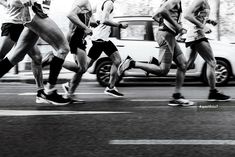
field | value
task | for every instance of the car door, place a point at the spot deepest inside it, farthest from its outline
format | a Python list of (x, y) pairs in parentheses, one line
[(137, 41)]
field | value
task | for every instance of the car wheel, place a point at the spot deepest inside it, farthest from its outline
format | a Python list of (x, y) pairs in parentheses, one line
[(222, 72), (103, 73)]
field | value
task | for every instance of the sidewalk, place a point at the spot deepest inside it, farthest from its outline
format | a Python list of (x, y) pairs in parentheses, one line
[(27, 76)]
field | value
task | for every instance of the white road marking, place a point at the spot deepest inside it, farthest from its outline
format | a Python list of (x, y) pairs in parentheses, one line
[(50, 113), (172, 142), (160, 100), (26, 94)]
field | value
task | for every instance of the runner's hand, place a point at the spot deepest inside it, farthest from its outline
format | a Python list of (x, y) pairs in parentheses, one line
[(26, 3), (124, 26), (88, 31), (207, 30)]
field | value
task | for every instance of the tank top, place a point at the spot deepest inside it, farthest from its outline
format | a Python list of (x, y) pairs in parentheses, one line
[(18, 14), (202, 14), (102, 31), (14, 12)]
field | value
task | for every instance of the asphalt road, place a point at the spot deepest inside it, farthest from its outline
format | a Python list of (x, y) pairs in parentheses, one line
[(138, 125)]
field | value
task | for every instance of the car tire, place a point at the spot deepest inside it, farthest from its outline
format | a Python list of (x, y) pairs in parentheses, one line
[(223, 73), (103, 73)]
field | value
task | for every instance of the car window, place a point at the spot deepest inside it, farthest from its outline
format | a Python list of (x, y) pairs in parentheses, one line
[(136, 30)]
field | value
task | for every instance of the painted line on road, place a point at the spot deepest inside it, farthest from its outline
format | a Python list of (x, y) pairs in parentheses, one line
[(51, 113), (160, 100), (27, 94), (172, 142)]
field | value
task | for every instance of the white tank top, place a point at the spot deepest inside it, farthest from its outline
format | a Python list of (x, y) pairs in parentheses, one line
[(14, 12), (102, 31), (202, 14), (17, 13)]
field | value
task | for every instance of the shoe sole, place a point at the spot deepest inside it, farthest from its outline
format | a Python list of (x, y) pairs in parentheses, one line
[(111, 94), (182, 105), (45, 101), (214, 100), (40, 100)]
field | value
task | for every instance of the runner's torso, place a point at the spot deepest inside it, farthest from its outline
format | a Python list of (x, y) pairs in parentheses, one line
[(202, 14), (102, 31), (175, 13)]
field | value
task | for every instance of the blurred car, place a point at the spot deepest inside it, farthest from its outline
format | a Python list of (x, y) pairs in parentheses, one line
[(138, 41)]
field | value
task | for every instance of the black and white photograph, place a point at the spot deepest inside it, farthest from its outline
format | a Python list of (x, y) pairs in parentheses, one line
[(117, 78)]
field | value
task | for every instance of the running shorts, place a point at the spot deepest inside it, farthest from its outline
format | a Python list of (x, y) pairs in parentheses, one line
[(100, 46), (13, 30)]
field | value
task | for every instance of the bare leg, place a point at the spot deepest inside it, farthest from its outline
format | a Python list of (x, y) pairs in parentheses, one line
[(37, 66), (50, 32), (6, 45), (23, 46), (206, 53), (116, 59)]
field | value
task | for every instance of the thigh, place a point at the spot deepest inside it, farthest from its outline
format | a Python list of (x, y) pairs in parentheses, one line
[(6, 45), (25, 43), (80, 58), (178, 56), (166, 47), (205, 51), (48, 30)]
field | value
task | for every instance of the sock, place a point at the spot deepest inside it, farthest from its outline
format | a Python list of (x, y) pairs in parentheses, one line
[(132, 64), (5, 66), (55, 68), (213, 90), (176, 95)]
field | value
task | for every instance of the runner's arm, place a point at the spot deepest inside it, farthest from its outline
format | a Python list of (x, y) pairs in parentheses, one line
[(108, 6), (189, 13), (73, 14)]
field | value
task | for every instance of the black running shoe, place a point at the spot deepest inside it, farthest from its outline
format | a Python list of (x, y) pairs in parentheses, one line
[(152, 60), (125, 65), (41, 97), (215, 95), (113, 92), (179, 100), (56, 99)]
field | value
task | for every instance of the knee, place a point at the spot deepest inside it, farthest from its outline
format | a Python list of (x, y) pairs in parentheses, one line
[(117, 62), (212, 64), (183, 67), (37, 60), (63, 51)]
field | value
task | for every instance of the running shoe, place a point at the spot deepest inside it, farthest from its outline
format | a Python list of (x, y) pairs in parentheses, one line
[(56, 99), (41, 97), (125, 65), (215, 95), (179, 100), (72, 97), (152, 60), (113, 92), (47, 59)]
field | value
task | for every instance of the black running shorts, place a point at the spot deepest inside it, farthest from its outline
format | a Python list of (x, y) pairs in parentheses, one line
[(99, 46), (77, 41), (12, 30)]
